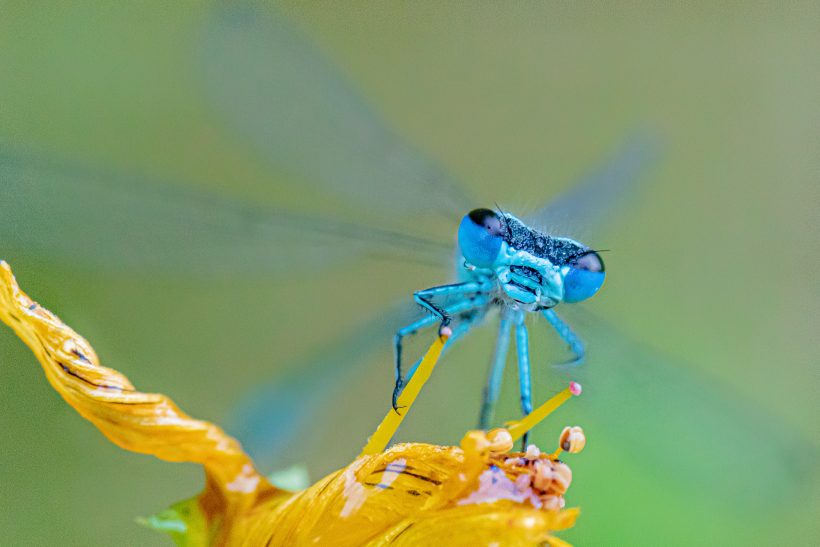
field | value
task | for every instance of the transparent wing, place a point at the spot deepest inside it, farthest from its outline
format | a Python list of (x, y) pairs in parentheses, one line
[(275, 90), (684, 429), (108, 219), (598, 197)]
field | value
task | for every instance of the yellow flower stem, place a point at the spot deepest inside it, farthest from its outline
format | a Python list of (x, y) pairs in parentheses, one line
[(517, 428), (387, 428)]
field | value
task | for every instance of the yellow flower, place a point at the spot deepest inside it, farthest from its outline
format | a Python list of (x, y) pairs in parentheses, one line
[(409, 494)]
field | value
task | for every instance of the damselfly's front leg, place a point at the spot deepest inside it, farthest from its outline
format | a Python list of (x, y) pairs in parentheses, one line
[(576, 345), (463, 305), (463, 328), (524, 381), (424, 298), (496, 373)]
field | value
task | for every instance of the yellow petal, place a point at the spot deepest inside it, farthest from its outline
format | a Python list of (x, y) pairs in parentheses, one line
[(404, 495), (506, 524)]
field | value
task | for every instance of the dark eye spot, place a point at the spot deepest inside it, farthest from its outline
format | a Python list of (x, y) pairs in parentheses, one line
[(488, 219), (479, 215)]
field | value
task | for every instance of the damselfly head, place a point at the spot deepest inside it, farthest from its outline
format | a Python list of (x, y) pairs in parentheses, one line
[(585, 276), (480, 236)]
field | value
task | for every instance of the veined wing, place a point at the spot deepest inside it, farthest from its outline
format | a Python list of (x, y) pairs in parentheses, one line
[(274, 89), (116, 220)]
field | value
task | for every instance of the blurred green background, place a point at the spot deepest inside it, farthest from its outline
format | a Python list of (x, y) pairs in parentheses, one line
[(712, 270)]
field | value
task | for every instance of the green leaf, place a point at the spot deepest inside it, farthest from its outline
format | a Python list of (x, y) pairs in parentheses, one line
[(184, 521), (292, 478)]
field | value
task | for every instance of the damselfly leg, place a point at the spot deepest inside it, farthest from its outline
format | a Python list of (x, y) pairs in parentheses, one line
[(425, 297), (463, 328), (576, 345), (464, 305), (496, 372), (524, 381)]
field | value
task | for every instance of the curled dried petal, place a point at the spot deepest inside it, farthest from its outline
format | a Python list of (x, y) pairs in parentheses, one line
[(572, 439)]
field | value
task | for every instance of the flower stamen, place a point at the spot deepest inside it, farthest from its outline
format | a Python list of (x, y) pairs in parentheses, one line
[(518, 428)]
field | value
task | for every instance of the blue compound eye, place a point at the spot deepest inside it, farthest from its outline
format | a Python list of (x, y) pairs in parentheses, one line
[(480, 236), (585, 277)]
